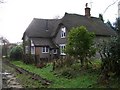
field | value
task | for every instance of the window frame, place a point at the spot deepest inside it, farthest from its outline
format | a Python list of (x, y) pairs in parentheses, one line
[(54, 51), (63, 32), (62, 46), (45, 49)]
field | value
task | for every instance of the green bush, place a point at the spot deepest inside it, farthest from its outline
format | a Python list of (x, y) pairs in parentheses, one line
[(110, 55), (68, 73), (80, 44), (16, 53)]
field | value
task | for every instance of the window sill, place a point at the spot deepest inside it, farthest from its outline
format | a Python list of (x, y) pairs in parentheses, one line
[(45, 52), (63, 54), (62, 37)]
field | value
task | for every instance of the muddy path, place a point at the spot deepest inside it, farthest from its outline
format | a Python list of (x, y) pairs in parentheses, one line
[(9, 79)]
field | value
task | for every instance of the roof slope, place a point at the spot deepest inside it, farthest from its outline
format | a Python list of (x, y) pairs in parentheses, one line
[(41, 31), (92, 24), (43, 42), (42, 27)]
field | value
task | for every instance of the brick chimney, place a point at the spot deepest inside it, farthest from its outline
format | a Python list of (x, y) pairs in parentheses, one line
[(87, 11)]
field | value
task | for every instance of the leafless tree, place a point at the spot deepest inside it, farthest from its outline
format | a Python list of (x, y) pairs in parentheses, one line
[(109, 6)]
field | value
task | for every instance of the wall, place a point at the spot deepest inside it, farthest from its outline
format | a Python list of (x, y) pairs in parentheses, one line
[(58, 38)]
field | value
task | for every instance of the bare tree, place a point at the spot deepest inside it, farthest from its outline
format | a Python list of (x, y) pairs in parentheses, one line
[(57, 17), (109, 6)]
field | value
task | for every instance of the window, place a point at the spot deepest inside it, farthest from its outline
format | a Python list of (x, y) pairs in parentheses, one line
[(26, 49), (32, 50), (62, 48), (55, 51), (45, 50), (32, 44), (63, 32)]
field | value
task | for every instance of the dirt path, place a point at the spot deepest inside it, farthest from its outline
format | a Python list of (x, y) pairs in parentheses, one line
[(9, 77)]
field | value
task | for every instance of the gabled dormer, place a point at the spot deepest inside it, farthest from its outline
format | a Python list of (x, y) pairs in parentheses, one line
[(61, 35)]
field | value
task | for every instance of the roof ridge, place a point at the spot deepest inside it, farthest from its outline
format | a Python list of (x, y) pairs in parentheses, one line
[(44, 19), (79, 15)]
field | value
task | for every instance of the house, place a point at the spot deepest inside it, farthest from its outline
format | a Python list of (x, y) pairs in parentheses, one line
[(45, 39)]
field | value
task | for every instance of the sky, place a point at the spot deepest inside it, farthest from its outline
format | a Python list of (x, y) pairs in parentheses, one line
[(16, 15)]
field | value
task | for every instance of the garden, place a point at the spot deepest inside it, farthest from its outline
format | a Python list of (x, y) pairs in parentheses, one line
[(80, 68)]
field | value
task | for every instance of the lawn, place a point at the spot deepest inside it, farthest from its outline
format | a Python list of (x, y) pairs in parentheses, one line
[(85, 79)]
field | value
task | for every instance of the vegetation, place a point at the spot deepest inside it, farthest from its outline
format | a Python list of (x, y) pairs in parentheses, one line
[(80, 44), (110, 25), (110, 55), (84, 79), (16, 53), (101, 17), (28, 82), (117, 26), (67, 73), (87, 78)]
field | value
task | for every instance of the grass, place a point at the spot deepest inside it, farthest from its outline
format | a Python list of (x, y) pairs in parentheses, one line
[(27, 82), (83, 80)]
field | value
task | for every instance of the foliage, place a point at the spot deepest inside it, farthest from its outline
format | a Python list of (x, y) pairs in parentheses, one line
[(83, 80), (110, 24), (28, 59), (67, 61), (16, 53), (117, 26), (80, 44), (101, 17), (110, 55), (27, 82)]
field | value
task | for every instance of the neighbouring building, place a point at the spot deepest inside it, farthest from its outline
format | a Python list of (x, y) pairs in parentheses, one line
[(45, 39), (4, 45)]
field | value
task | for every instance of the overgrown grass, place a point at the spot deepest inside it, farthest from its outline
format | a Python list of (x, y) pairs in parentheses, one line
[(84, 80), (27, 82)]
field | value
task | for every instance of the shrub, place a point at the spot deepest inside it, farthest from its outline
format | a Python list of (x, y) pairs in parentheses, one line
[(16, 53), (110, 55), (80, 44)]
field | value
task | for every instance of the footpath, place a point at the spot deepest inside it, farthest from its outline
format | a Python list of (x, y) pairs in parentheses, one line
[(8, 77)]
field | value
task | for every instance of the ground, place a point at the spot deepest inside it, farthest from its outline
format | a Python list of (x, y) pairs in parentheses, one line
[(59, 79), (9, 79)]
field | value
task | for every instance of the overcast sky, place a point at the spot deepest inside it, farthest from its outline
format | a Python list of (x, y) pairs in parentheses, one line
[(16, 15)]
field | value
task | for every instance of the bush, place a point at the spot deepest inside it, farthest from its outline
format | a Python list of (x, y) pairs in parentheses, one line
[(80, 44), (16, 53), (69, 73), (110, 55)]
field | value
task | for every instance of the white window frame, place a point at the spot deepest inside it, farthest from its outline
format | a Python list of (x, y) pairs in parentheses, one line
[(32, 50), (54, 51), (63, 32), (45, 49), (62, 47)]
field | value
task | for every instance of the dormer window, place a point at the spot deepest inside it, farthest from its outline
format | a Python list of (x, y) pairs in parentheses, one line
[(63, 32)]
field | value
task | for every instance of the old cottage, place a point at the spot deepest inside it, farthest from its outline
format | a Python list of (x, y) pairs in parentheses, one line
[(45, 39)]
